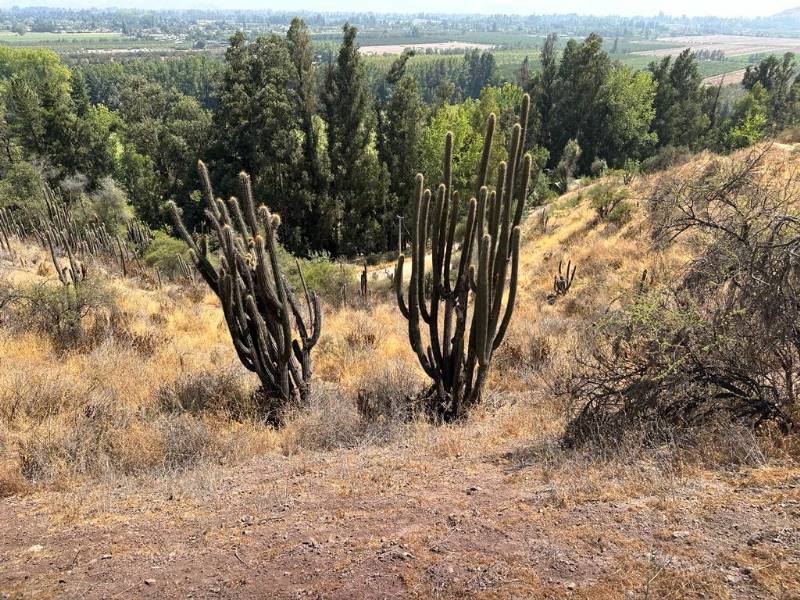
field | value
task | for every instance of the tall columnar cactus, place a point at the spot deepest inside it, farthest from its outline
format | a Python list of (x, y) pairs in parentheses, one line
[(467, 295), (258, 304)]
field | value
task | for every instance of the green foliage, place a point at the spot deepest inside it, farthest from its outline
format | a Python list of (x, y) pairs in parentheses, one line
[(679, 117), (627, 101), (110, 205), (21, 189), (163, 252), (567, 164), (609, 201), (748, 123), (467, 144), (665, 158)]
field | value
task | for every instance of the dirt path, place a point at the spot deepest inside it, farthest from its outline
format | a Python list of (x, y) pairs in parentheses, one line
[(371, 524)]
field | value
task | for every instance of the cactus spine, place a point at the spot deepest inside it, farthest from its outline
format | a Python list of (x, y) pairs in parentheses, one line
[(258, 305), (458, 367)]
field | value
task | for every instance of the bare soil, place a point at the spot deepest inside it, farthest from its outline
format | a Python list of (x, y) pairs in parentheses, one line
[(387, 523)]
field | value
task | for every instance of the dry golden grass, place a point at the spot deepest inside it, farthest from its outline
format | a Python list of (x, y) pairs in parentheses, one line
[(120, 408)]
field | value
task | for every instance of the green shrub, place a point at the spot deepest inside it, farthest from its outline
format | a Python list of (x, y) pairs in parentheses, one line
[(163, 253), (609, 199), (621, 214)]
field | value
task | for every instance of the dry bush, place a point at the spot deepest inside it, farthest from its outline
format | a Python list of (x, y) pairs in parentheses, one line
[(388, 393), (362, 333), (225, 391), (378, 414), (330, 421), (721, 340), (72, 317), (185, 441)]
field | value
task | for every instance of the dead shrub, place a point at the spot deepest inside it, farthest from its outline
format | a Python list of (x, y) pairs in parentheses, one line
[(524, 350), (222, 391), (721, 342), (330, 421), (363, 332), (72, 317), (387, 394), (80, 443), (185, 441)]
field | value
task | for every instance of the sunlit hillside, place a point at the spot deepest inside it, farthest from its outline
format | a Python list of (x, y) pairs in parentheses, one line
[(135, 462)]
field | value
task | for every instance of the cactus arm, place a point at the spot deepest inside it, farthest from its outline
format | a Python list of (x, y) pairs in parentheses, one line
[(512, 289), (438, 252), (523, 190), (524, 114), (398, 286), (205, 184), (414, 335), (422, 236), (451, 233), (248, 208), (447, 165), (483, 166), (482, 301), (75, 270), (54, 256), (466, 246), (238, 218)]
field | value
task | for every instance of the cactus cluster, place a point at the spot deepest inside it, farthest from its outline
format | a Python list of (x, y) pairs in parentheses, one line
[(258, 304), (470, 295), (72, 273), (8, 228), (139, 235)]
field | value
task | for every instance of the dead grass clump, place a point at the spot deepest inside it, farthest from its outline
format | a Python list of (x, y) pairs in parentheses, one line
[(362, 333), (525, 350), (75, 443), (39, 393), (387, 394), (330, 421), (225, 391), (185, 441)]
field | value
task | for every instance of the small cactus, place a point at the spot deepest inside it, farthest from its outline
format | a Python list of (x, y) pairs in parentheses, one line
[(562, 282)]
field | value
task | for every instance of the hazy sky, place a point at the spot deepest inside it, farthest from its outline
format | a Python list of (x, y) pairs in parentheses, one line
[(727, 8)]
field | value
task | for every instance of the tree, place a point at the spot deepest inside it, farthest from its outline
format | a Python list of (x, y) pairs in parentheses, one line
[(46, 117), (163, 130), (775, 77), (748, 122), (359, 180), (543, 89), (304, 81), (567, 164), (400, 144), (582, 73), (261, 126), (480, 70), (627, 107), (679, 99)]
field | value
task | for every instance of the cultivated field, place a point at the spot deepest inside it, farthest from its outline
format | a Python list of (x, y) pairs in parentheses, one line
[(435, 47), (731, 45)]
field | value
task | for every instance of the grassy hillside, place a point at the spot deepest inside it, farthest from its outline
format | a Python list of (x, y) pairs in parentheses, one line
[(155, 405)]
